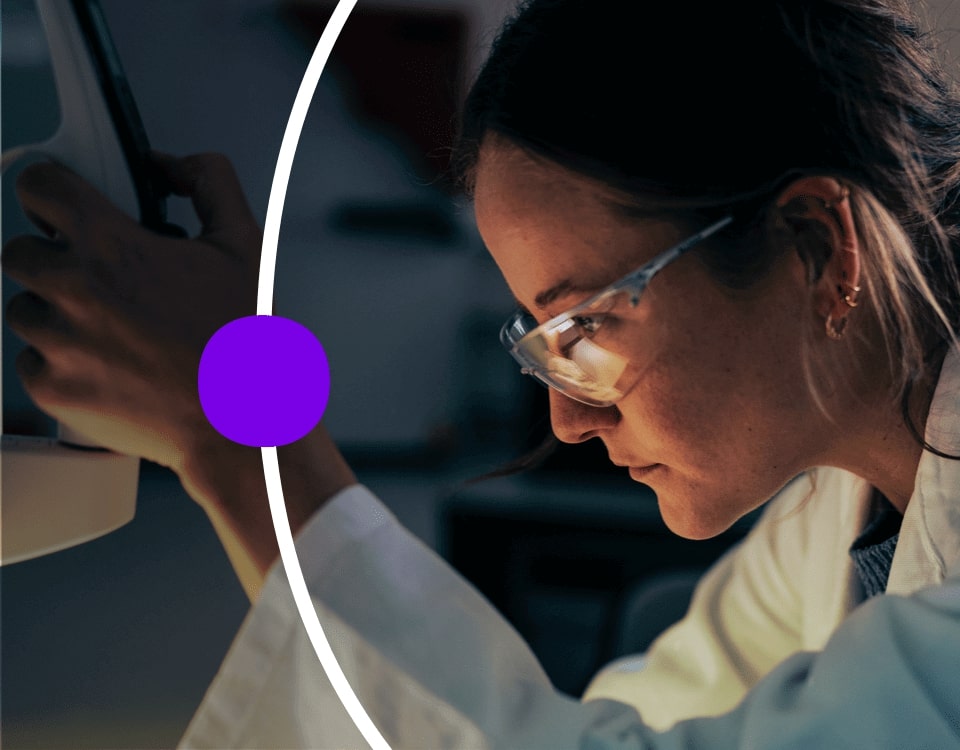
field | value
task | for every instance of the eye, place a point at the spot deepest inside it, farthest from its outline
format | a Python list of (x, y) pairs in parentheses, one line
[(589, 324)]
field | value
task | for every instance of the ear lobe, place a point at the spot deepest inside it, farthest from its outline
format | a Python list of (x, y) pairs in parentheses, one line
[(826, 200)]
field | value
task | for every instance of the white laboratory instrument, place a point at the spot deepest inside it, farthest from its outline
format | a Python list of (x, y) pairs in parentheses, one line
[(58, 492)]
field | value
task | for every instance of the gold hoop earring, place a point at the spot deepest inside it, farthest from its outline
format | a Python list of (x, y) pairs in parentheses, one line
[(835, 328), (846, 297)]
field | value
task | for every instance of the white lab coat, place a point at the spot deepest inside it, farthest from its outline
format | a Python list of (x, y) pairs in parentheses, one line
[(774, 653)]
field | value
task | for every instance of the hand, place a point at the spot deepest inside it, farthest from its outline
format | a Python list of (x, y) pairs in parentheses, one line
[(116, 316)]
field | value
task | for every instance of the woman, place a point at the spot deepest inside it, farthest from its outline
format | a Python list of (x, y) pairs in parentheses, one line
[(734, 234)]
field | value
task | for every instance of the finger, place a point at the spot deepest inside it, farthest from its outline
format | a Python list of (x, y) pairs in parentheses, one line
[(37, 322), (210, 181), (157, 168), (36, 263), (50, 391), (59, 201), (29, 365)]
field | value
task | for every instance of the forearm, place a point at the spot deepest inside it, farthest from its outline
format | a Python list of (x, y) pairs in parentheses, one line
[(227, 480)]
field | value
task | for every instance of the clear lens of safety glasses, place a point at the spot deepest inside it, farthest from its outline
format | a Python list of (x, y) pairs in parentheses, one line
[(564, 353)]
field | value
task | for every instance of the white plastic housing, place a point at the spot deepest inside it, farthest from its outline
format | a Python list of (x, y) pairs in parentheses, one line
[(54, 496)]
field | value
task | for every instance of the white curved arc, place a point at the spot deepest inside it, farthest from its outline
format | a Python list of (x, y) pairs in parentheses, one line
[(271, 468)]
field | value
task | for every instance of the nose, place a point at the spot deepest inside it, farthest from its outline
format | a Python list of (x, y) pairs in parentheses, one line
[(574, 422)]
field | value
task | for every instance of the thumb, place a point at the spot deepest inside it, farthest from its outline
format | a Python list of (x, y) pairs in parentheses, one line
[(211, 183)]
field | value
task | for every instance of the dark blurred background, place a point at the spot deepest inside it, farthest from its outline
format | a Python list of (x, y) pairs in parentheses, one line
[(112, 643)]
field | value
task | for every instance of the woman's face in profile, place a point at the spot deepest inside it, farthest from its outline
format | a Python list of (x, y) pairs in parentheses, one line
[(720, 417)]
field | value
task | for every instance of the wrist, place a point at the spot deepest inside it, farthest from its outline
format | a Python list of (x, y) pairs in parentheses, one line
[(220, 474), (227, 480)]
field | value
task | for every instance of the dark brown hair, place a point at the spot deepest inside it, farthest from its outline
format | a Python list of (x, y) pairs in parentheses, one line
[(695, 109)]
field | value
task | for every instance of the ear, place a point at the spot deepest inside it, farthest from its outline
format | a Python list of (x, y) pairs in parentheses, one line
[(824, 201)]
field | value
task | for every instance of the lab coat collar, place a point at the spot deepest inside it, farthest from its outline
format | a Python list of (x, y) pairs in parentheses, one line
[(929, 546)]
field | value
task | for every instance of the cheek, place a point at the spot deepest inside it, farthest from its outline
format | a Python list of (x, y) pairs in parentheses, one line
[(695, 379), (722, 403), (717, 396), (688, 417), (724, 444), (712, 472)]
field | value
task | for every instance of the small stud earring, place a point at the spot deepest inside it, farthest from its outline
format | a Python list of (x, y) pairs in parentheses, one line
[(844, 194)]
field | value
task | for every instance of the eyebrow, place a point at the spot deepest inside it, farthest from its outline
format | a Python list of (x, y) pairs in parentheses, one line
[(557, 291), (562, 289), (568, 286)]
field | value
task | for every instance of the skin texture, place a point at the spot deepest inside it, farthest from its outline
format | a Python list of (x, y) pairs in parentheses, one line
[(721, 408)]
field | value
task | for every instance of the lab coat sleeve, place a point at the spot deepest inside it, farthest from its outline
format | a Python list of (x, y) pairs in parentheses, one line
[(435, 666)]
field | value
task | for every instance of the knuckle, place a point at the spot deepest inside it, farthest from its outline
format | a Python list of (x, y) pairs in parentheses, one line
[(35, 178), (20, 261), (104, 284), (102, 273), (111, 237), (29, 364), (215, 158), (216, 163), (93, 238), (32, 267), (30, 176)]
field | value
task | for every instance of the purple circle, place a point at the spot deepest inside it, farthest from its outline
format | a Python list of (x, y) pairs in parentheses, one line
[(263, 380)]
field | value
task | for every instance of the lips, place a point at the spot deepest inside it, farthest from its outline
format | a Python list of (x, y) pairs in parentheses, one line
[(630, 464), (623, 463), (639, 472), (636, 468)]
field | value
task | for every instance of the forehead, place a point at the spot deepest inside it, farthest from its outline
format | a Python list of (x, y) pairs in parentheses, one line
[(528, 195), (544, 224)]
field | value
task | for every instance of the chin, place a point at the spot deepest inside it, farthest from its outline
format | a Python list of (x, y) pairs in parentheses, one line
[(694, 520), (693, 508)]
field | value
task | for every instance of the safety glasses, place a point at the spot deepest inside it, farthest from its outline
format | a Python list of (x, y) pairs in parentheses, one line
[(573, 352)]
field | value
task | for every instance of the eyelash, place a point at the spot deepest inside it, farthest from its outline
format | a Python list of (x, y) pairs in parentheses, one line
[(595, 320)]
